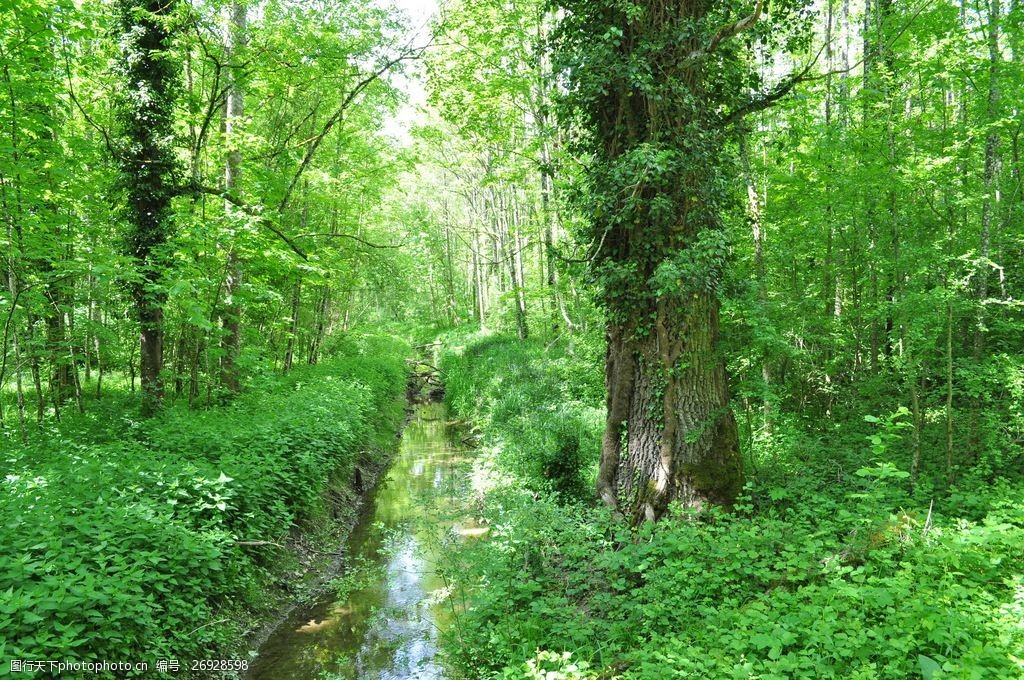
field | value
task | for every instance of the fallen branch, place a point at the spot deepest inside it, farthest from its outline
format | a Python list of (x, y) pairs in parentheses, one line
[(258, 543), (415, 362), (210, 623)]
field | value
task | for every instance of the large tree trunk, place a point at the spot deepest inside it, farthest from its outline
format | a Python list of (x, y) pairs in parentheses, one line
[(151, 322), (670, 434), (657, 194), (60, 378)]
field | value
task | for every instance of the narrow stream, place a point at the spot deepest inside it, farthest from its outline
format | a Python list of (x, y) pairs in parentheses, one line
[(386, 627)]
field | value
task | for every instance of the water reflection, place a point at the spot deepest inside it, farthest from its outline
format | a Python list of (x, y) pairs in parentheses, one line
[(387, 628)]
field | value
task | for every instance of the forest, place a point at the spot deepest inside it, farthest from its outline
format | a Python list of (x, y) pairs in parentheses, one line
[(551, 339)]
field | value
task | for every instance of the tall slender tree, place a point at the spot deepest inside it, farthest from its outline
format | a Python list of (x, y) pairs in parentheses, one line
[(150, 81), (234, 110)]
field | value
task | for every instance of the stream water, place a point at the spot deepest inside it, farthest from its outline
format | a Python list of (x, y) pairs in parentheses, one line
[(386, 626)]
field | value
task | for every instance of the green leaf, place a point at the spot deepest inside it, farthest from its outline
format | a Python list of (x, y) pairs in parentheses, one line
[(929, 666), (31, 617)]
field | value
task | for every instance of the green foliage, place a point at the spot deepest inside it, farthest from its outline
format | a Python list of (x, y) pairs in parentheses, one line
[(538, 407), (889, 429), (829, 567), (874, 270), (127, 548), (808, 592), (651, 112), (112, 161)]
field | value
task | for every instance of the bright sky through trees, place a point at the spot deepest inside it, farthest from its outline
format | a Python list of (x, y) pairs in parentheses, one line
[(421, 13)]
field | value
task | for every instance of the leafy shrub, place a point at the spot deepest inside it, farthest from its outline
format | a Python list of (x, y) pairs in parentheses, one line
[(815, 593), (525, 398)]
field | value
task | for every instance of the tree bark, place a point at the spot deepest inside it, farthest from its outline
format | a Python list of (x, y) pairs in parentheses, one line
[(992, 158), (518, 272), (13, 287), (293, 329), (658, 172), (757, 233), (320, 315), (949, 386), (670, 434)]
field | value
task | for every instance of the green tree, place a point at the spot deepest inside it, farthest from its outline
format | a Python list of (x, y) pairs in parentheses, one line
[(149, 88)]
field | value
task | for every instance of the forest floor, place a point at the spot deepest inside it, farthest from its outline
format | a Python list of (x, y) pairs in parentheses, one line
[(830, 565), (195, 534), (311, 559)]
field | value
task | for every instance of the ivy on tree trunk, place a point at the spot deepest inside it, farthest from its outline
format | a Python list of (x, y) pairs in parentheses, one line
[(149, 79), (656, 87)]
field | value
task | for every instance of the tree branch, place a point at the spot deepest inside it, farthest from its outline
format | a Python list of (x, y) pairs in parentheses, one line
[(787, 85), (351, 236), (336, 117), (728, 31), (78, 105), (768, 98), (248, 210)]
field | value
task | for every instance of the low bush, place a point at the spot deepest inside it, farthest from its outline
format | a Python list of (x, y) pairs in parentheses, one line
[(771, 595), (128, 549)]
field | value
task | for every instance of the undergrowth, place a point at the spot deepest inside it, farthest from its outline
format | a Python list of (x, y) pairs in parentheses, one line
[(831, 565), (147, 540), (543, 417)]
